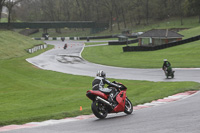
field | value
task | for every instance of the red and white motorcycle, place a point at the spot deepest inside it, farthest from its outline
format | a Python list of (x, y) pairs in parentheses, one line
[(101, 106)]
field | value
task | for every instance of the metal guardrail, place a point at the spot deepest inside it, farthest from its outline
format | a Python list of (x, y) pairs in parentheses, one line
[(123, 42)]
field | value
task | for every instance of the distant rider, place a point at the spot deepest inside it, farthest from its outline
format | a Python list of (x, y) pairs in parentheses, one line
[(167, 66), (99, 82), (65, 46)]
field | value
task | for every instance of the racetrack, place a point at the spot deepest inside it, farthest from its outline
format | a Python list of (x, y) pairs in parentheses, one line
[(182, 116), (69, 61)]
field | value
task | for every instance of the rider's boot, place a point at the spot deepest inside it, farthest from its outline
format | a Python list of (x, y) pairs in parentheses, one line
[(111, 100)]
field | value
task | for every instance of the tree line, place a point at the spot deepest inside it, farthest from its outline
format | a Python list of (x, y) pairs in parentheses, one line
[(134, 12)]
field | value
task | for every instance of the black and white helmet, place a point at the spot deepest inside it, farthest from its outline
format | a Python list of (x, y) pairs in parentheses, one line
[(101, 73)]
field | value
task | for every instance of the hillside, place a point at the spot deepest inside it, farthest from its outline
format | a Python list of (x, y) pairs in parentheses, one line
[(13, 44)]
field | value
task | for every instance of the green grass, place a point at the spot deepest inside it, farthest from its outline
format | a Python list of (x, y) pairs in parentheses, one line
[(13, 44), (191, 32), (4, 20), (182, 56), (30, 94)]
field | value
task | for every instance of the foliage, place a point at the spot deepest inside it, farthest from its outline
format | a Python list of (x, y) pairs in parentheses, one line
[(114, 11)]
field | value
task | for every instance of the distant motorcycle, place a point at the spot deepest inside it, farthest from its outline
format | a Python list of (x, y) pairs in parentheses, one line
[(169, 72), (101, 106), (65, 46), (63, 39)]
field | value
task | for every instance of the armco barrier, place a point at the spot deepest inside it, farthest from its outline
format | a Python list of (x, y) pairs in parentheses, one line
[(57, 38), (85, 38), (96, 37), (122, 42), (158, 47), (103, 37)]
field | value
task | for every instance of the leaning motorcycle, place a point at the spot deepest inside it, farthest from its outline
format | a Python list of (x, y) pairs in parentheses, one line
[(101, 106), (168, 72)]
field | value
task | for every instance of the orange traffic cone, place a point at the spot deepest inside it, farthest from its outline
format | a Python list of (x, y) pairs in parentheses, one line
[(81, 108)]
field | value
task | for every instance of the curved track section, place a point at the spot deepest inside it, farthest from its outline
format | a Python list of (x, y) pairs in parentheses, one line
[(182, 116), (69, 61)]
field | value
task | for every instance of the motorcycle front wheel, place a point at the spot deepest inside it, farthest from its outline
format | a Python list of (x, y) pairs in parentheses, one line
[(99, 110), (128, 107)]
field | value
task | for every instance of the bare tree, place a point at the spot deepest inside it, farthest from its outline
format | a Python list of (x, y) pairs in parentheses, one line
[(117, 12), (147, 11), (138, 8), (113, 11), (10, 4), (66, 6), (1, 6), (79, 8), (30, 7), (194, 5), (108, 4), (97, 10)]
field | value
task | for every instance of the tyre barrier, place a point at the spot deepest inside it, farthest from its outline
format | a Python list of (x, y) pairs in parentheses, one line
[(36, 48), (96, 37), (162, 46), (57, 38)]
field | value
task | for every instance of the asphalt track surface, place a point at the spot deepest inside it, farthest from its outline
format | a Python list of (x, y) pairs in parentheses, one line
[(70, 61), (182, 116)]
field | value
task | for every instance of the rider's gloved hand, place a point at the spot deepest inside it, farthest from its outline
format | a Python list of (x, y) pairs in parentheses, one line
[(120, 87)]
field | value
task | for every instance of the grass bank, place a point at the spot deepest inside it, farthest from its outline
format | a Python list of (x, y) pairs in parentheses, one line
[(30, 94), (182, 56), (13, 44)]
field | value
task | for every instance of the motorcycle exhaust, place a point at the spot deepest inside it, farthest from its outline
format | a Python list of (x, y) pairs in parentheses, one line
[(103, 100)]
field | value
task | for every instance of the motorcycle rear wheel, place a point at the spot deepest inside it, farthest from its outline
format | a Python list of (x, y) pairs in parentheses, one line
[(128, 107), (172, 75), (99, 110)]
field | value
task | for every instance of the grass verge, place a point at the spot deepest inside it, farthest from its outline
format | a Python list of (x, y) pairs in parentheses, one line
[(13, 44), (186, 55), (30, 94)]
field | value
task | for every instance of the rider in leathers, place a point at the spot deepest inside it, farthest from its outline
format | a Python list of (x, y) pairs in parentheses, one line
[(167, 66), (100, 81)]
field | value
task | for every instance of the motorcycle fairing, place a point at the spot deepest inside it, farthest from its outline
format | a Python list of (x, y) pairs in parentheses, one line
[(93, 93), (121, 99)]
